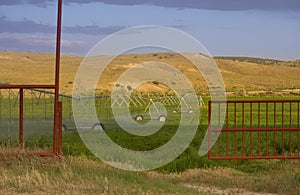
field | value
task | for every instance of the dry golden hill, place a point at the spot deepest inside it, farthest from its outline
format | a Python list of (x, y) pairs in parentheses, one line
[(36, 68)]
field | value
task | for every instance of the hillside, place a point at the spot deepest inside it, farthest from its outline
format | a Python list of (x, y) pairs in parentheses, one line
[(241, 75), (261, 61)]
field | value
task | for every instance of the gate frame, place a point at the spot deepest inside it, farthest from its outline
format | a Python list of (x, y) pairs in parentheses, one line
[(251, 128), (57, 127)]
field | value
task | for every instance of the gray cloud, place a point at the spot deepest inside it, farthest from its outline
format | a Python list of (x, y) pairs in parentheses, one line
[(212, 4), (29, 26), (91, 29), (23, 26), (26, 42), (293, 5), (40, 43), (41, 3)]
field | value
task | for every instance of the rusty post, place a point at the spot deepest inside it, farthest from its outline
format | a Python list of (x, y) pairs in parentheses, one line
[(57, 71), (274, 139), (234, 133), (21, 125), (209, 129), (59, 128), (282, 126)]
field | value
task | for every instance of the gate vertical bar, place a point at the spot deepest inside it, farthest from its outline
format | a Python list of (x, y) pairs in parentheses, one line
[(243, 114), (298, 121), (274, 127), (243, 122), (251, 127), (282, 126), (59, 128), (209, 129), (298, 140), (1, 104), (57, 70), (290, 132), (21, 125), (258, 132), (226, 115), (226, 128), (234, 115), (234, 133), (267, 118), (219, 127)]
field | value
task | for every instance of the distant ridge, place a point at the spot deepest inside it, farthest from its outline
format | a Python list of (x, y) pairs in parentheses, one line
[(264, 61)]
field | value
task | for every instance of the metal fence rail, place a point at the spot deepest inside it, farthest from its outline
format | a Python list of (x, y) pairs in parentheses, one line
[(254, 129)]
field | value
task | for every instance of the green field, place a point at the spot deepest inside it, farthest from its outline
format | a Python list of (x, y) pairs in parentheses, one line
[(39, 130)]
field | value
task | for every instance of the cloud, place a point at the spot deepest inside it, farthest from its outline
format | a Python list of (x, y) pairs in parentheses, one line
[(41, 3), (209, 4), (224, 5), (23, 26), (29, 42), (29, 26), (229, 5), (27, 35), (92, 29), (39, 43)]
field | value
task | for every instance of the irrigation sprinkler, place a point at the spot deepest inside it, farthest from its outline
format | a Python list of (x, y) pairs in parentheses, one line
[(186, 108), (160, 118), (183, 103), (86, 107), (169, 100)]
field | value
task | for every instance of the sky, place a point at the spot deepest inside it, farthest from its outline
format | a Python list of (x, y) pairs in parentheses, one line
[(257, 28)]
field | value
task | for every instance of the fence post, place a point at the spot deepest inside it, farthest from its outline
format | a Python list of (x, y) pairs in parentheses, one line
[(59, 129), (57, 71)]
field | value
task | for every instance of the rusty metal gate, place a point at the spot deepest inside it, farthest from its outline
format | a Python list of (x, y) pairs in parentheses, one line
[(57, 124), (22, 117), (254, 129)]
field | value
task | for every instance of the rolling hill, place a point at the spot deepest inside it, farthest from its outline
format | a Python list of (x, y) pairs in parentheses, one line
[(241, 75)]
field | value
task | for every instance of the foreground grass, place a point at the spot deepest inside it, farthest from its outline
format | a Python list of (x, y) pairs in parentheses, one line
[(279, 177), (80, 175)]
